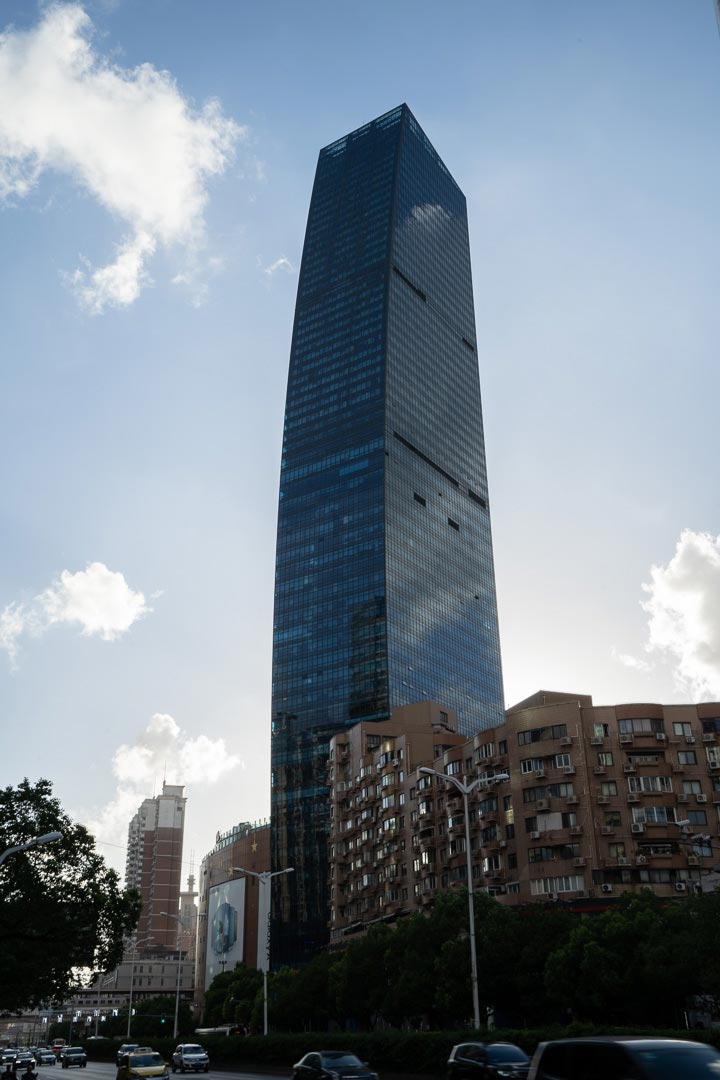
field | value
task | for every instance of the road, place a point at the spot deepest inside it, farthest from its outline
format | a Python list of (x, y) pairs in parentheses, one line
[(105, 1070)]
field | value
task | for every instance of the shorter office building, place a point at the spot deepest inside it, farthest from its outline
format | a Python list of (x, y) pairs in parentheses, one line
[(232, 915), (597, 800)]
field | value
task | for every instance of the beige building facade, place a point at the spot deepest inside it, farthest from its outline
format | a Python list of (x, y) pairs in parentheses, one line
[(599, 800)]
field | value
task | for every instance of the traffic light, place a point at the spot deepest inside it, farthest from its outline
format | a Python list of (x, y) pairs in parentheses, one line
[(162, 1018)]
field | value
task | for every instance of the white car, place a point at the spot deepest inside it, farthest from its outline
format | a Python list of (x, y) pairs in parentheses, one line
[(190, 1057)]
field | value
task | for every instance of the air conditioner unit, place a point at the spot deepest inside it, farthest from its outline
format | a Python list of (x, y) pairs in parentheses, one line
[(701, 798), (714, 764), (626, 740), (603, 800), (503, 844), (693, 860), (395, 762), (553, 896), (578, 862), (633, 797), (607, 830), (629, 768), (708, 737), (542, 804), (641, 860), (599, 770), (572, 800), (636, 827), (566, 741), (680, 886), (606, 888), (661, 736), (623, 860), (597, 740), (690, 739), (535, 835), (682, 798), (569, 770)]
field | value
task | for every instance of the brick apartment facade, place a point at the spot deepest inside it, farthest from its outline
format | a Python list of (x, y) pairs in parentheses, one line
[(154, 863), (589, 810)]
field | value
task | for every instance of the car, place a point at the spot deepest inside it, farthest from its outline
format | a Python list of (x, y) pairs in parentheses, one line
[(126, 1048), (45, 1057), (331, 1065), (481, 1061), (142, 1064), (8, 1056), (190, 1057), (23, 1059), (73, 1055), (624, 1057)]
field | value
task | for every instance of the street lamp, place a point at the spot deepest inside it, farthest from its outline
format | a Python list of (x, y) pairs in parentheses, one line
[(264, 879), (466, 790), (36, 841), (178, 920), (135, 943)]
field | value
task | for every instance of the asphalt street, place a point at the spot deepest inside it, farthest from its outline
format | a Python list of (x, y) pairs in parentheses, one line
[(105, 1070)]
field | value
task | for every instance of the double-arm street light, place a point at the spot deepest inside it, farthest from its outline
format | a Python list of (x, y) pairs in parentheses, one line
[(264, 878), (466, 790), (36, 841), (178, 920)]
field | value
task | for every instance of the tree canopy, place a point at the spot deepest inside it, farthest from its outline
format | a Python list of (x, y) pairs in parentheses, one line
[(62, 913), (640, 962)]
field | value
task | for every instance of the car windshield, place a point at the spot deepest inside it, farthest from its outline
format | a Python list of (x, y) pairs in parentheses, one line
[(507, 1053), (75, 1050), (143, 1061), (193, 1049), (671, 1062), (340, 1058)]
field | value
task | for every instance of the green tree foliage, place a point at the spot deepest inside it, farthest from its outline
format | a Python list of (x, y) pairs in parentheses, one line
[(62, 911), (230, 998), (639, 963), (634, 963)]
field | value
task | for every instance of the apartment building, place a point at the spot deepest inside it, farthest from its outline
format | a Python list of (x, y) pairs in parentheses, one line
[(597, 800)]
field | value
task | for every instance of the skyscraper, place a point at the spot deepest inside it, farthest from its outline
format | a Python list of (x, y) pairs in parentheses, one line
[(154, 862), (385, 590)]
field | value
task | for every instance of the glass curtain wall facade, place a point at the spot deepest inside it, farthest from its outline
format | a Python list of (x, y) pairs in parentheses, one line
[(385, 589)]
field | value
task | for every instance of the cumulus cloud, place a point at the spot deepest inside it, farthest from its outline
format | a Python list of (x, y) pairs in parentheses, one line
[(635, 663), (162, 751), (683, 605), (127, 137), (96, 600)]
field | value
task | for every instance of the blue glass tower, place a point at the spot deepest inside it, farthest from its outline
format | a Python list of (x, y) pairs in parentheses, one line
[(385, 589)]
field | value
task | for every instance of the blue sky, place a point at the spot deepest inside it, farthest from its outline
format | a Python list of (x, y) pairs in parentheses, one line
[(147, 313)]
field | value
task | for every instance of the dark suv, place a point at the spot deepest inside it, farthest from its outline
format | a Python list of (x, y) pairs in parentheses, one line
[(482, 1061), (73, 1055), (624, 1058)]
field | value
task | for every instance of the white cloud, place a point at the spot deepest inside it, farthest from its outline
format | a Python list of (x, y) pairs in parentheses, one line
[(162, 750), (683, 605), (632, 662), (128, 137), (96, 600), (283, 263)]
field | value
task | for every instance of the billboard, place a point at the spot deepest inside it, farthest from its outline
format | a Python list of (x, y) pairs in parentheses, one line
[(225, 928)]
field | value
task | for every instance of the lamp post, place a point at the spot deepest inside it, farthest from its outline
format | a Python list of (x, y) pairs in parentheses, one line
[(135, 944), (264, 878), (36, 841), (178, 920), (466, 790)]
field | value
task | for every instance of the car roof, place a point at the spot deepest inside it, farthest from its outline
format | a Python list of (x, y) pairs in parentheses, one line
[(634, 1040)]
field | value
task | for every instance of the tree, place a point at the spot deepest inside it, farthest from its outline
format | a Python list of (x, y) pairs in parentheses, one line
[(62, 912)]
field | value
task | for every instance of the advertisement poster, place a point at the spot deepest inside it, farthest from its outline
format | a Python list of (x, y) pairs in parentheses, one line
[(226, 928)]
